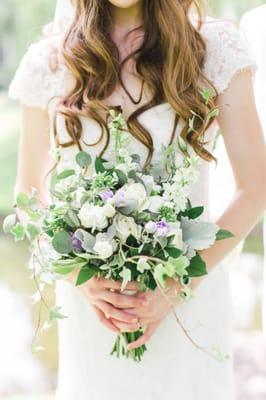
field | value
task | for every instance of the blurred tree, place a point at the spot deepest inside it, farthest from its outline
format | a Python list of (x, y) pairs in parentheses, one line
[(235, 7), (21, 24)]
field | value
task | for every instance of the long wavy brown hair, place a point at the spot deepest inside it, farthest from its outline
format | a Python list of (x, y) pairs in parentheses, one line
[(170, 60)]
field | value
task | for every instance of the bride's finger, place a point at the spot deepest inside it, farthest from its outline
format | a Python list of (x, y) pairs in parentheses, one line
[(112, 312), (102, 318), (144, 338), (116, 285), (120, 300), (126, 327)]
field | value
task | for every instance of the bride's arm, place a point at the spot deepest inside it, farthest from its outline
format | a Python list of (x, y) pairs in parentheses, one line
[(243, 137), (34, 160), (245, 145)]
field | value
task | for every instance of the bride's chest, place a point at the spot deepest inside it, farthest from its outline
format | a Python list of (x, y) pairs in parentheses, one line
[(158, 121)]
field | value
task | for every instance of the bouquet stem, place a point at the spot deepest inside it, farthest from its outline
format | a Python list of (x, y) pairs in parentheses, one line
[(120, 346)]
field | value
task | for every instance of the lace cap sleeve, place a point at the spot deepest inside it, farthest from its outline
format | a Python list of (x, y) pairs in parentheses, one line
[(228, 53), (35, 81)]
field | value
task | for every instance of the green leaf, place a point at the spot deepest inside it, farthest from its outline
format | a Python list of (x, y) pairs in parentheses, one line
[(62, 242), (64, 267), (72, 219), (18, 231), (99, 167), (83, 159), (32, 231), (197, 267), (66, 174), (86, 273), (206, 94), (22, 200), (160, 274), (173, 251), (54, 313), (135, 158), (9, 222), (121, 177), (33, 214), (177, 266), (223, 234), (194, 212)]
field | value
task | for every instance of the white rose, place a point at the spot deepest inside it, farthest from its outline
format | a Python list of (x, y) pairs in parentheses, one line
[(155, 203), (177, 231), (92, 217), (126, 226), (150, 227), (137, 192), (149, 182), (108, 210), (103, 248)]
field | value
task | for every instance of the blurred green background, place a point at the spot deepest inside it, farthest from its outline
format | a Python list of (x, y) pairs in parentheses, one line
[(21, 23)]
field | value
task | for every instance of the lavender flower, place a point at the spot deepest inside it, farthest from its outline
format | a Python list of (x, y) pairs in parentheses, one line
[(106, 195), (119, 198), (76, 243), (162, 228)]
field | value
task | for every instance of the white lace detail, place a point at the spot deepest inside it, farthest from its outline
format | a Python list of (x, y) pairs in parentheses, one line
[(35, 83), (228, 53)]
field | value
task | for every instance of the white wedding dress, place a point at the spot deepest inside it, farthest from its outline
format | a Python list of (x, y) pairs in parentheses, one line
[(172, 368)]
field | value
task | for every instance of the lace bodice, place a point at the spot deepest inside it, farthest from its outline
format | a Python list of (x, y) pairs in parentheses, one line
[(35, 82)]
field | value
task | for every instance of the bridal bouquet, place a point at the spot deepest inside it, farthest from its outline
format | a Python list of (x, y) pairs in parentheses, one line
[(113, 220)]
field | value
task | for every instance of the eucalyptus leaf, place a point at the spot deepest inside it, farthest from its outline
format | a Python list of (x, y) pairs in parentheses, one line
[(62, 242), (83, 159)]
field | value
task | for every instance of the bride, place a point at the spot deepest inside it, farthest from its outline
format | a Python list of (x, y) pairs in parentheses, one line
[(150, 57)]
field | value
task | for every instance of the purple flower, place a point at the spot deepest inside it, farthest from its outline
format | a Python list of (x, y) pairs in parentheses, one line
[(76, 243), (108, 194), (162, 228), (119, 198)]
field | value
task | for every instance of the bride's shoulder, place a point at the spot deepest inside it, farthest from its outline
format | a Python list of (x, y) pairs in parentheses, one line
[(40, 73), (227, 51)]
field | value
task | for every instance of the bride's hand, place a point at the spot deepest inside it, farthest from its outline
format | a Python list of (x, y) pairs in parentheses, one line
[(110, 305), (158, 303)]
